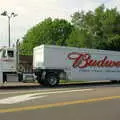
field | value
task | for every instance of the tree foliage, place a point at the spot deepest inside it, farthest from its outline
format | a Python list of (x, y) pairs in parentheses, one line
[(93, 29), (79, 38), (49, 31), (100, 28)]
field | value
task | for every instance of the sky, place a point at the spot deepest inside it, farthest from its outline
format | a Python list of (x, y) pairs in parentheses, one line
[(31, 12)]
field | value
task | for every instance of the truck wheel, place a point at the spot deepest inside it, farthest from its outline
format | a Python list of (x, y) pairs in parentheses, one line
[(113, 81), (118, 81), (52, 80)]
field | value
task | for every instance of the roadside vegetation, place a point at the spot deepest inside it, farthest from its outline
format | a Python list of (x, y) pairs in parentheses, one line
[(93, 29)]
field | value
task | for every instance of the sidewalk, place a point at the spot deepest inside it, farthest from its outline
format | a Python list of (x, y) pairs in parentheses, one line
[(18, 84)]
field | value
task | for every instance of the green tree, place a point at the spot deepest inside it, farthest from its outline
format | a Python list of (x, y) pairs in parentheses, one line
[(79, 38), (49, 31), (101, 27)]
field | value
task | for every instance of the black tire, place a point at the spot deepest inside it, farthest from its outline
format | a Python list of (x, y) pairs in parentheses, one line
[(52, 80), (118, 81), (114, 81), (20, 77)]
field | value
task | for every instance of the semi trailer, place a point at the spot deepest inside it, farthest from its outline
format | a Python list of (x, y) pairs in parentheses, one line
[(53, 63)]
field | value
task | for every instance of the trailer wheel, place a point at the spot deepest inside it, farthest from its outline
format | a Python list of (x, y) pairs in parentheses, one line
[(118, 81), (113, 81), (52, 79)]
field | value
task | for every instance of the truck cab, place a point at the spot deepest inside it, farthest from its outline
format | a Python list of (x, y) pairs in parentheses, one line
[(7, 62), (7, 59)]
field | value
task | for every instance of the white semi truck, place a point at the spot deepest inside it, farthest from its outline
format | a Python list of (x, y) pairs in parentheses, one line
[(52, 63)]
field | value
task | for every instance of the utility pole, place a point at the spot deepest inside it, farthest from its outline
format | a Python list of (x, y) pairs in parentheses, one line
[(9, 20), (17, 55)]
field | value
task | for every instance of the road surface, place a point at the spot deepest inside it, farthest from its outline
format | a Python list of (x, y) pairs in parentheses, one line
[(67, 103)]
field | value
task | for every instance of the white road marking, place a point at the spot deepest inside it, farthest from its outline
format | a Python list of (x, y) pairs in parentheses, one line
[(20, 98), (26, 97), (18, 92), (66, 91), (33, 91)]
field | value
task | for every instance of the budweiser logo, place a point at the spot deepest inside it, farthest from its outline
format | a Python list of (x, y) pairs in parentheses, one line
[(83, 60)]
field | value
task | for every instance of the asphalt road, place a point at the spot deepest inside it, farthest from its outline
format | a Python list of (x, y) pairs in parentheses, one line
[(95, 102)]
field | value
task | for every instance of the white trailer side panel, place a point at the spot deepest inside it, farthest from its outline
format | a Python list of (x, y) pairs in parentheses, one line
[(56, 57)]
